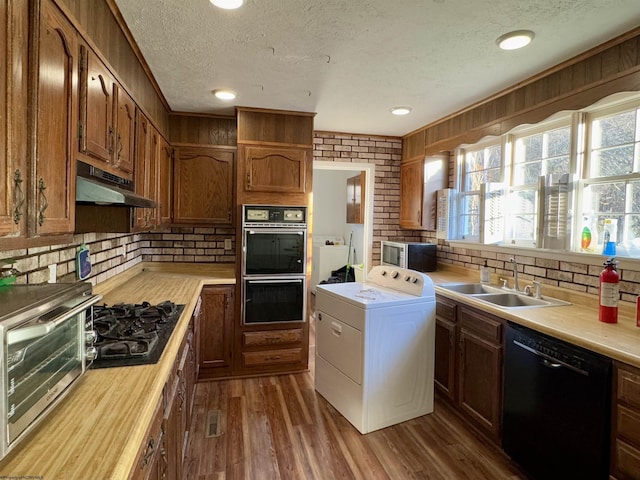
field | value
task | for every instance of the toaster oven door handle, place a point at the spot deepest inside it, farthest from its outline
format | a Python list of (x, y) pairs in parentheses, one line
[(38, 328)]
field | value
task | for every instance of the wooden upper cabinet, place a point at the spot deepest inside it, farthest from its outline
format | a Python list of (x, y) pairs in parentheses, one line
[(107, 117), (13, 187), (165, 181), (146, 178), (54, 120), (411, 185), (355, 198), (420, 179), (203, 183), (276, 170), (96, 107), (124, 144)]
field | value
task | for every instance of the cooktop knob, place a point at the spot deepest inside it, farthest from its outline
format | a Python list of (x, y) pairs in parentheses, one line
[(91, 353), (394, 274), (414, 280), (407, 278)]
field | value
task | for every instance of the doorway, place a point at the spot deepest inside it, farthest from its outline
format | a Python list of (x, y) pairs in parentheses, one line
[(328, 219)]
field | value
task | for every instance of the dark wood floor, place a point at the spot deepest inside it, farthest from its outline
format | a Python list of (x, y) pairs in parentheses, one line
[(280, 428)]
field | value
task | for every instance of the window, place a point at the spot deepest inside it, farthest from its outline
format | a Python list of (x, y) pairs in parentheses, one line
[(571, 183), (611, 187), (481, 166), (540, 160)]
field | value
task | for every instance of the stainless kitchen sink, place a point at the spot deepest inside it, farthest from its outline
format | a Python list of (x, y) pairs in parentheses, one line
[(500, 298), (470, 288)]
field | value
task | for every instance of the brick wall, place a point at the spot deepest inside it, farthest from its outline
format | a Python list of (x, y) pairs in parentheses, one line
[(386, 154)]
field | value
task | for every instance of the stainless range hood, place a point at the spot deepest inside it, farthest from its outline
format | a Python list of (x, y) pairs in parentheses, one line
[(97, 187)]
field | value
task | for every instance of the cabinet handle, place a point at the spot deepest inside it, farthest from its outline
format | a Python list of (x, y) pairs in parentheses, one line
[(229, 214), (151, 446), (110, 140), (44, 203), (248, 180), (419, 219), (19, 194)]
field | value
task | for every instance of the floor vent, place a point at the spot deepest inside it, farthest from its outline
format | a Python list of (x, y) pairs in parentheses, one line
[(213, 423)]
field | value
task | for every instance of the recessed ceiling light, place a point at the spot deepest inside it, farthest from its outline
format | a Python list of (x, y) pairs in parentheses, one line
[(515, 40), (401, 110), (225, 94), (227, 4)]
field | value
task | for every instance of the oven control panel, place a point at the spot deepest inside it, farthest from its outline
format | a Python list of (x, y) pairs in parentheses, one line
[(259, 214)]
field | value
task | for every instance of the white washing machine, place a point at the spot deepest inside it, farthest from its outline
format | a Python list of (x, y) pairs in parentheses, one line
[(375, 347)]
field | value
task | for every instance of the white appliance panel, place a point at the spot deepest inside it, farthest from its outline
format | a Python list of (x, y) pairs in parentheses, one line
[(340, 345)]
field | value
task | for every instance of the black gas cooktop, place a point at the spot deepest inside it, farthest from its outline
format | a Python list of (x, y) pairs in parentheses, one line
[(132, 334)]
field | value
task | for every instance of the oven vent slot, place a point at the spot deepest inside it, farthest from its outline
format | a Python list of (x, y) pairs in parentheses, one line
[(213, 423)]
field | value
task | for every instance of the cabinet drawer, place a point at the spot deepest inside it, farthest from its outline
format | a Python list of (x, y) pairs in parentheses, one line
[(487, 327), (627, 461), (628, 425), (445, 310), (629, 387), (271, 357), (273, 337)]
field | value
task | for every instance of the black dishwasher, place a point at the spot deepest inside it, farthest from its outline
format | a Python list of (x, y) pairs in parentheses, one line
[(556, 417)]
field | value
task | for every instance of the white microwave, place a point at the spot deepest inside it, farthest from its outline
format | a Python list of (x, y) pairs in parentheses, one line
[(412, 255)]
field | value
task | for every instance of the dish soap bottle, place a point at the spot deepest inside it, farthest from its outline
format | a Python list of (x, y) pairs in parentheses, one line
[(485, 273)]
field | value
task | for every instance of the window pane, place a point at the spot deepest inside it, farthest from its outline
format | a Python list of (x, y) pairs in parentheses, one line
[(471, 216), (522, 220), (606, 197), (558, 165), (613, 141), (559, 142), (532, 148), (482, 166), (614, 130), (612, 161)]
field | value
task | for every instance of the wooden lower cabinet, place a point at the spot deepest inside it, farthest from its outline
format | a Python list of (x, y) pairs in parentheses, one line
[(151, 461), (468, 364), (216, 331), (446, 350), (625, 426), (162, 455)]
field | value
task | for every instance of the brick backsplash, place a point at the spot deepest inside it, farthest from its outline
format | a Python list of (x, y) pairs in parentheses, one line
[(195, 244)]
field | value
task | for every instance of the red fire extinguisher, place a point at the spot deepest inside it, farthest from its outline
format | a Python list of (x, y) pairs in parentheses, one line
[(609, 292)]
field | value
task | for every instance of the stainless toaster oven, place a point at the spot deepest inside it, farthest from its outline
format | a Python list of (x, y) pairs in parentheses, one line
[(46, 346)]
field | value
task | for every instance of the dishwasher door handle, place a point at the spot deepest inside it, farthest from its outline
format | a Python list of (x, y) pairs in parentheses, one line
[(550, 362)]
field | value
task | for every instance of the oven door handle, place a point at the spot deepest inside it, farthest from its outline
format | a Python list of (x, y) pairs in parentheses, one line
[(32, 331), (299, 280)]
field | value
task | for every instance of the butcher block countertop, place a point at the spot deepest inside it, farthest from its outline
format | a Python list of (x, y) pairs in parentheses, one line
[(96, 431)]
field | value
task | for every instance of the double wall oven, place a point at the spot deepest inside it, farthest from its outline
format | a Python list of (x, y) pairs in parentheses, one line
[(274, 253)]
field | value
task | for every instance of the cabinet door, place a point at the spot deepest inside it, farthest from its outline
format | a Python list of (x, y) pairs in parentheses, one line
[(13, 187), (355, 198), (203, 179), (216, 328), (480, 380), (278, 170), (125, 123), (165, 181), (411, 185), (445, 357), (55, 122), (96, 107), (142, 173)]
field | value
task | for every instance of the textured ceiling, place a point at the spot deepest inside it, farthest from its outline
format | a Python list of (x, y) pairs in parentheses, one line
[(351, 61)]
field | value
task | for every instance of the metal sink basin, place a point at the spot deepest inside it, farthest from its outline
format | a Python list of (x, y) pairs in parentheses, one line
[(498, 297), (470, 288)]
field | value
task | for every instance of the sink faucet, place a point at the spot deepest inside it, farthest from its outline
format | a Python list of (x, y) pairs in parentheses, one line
[(516, 286)]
